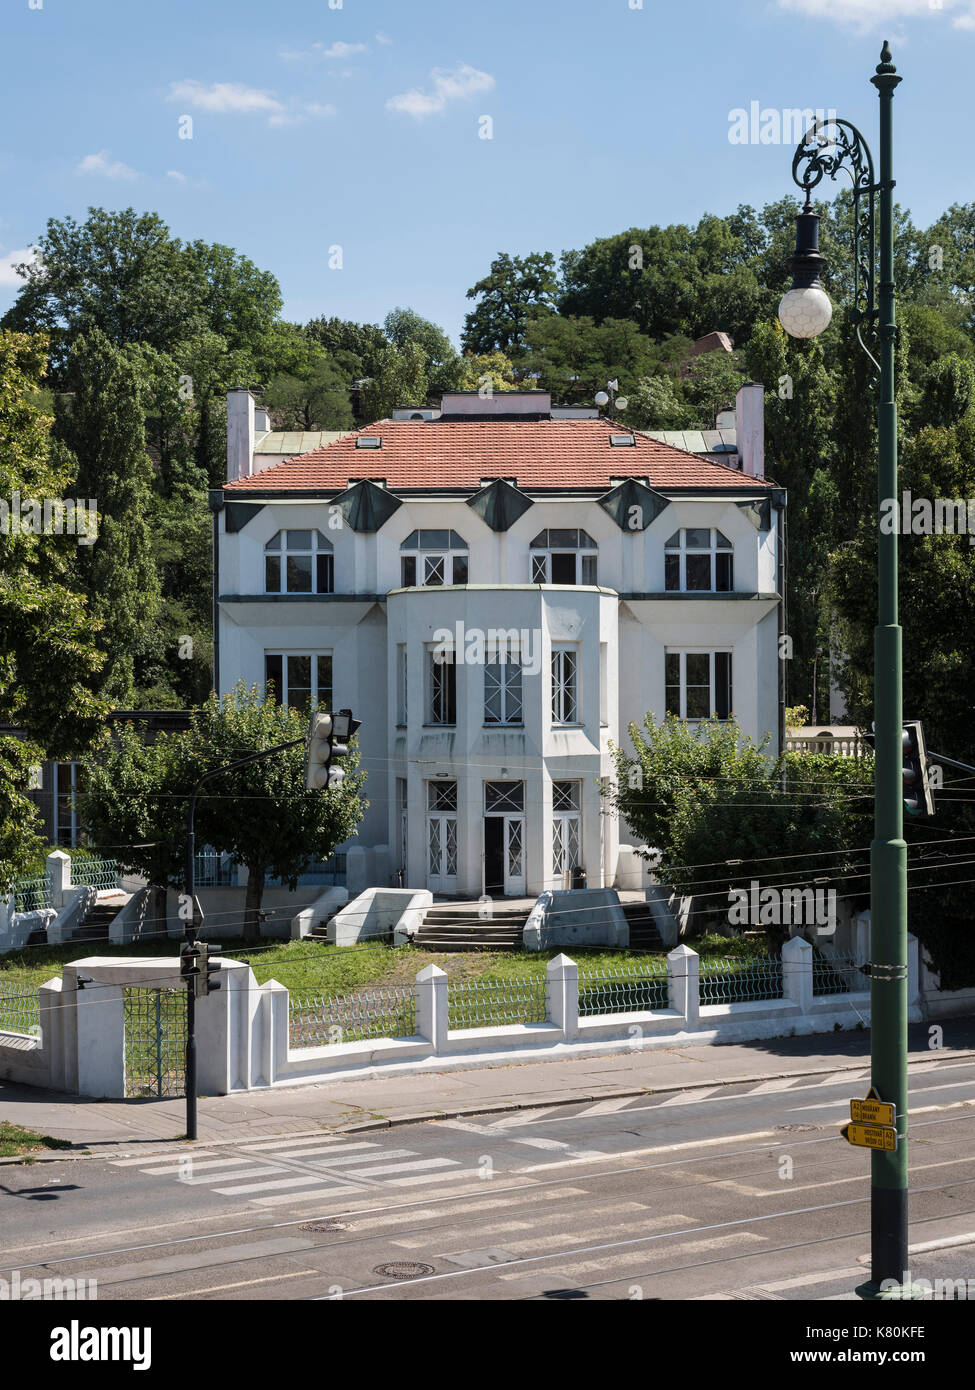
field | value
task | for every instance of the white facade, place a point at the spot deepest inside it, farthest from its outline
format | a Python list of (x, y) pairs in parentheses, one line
[(593, 657)]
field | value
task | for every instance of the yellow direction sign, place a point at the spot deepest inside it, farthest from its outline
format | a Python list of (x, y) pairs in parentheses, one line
[(872, 1111), (871, 1136)]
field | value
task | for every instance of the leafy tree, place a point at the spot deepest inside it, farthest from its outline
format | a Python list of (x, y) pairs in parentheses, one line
[(261, 815), (495, 368), (515, 289), (49, 664), (657, 403), (441, 361), (103, 425), (400, 380), (318, 401), (363, 344), (705, 795)]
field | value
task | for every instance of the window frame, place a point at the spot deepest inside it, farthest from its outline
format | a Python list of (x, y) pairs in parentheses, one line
[(715, 550), (564, 654), (424, 557), (319, 550), (442, 689), (511, 692), (725, 676), (316, 687), (542, 550)]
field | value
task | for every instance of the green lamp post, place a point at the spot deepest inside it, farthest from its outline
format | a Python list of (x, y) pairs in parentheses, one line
[(805, 312)]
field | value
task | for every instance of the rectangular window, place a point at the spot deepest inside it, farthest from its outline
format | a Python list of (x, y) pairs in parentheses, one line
[(433, 568), (503, 702), (565, 705), (301, 680), (723, 580), (442, 796), (538, 569), (272, 574), (563, 567), (325, 573), (672, 573), (588, 569), (460, 569), (699, 684), (299, 574), (401, 717), (441, 687), (503, 796), (408, 564)]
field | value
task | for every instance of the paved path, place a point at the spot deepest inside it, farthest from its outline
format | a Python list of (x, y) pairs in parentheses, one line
[(341, 1106)]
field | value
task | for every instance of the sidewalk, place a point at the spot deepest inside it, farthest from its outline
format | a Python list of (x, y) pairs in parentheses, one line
[(105, 1127)]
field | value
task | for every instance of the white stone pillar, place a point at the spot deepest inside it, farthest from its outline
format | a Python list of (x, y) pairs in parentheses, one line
[(562, 995), (797, 973), (430, 994), (683, 983), (58, 870)]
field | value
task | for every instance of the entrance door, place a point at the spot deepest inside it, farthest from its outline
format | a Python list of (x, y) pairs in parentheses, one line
[(504, 839)]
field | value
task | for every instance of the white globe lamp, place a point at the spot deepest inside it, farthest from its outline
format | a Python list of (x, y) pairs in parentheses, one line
[(805, 310)]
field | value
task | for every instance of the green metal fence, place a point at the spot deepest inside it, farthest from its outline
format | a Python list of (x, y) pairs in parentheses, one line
[(318, 1020), (155, 1043), (640, 989), (486, 1003), (19, 1008), (30, 894), (94, 873), (729, 981), (837, 975)]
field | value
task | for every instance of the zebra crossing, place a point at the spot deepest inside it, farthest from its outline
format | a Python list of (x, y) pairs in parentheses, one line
[(271, 1173)]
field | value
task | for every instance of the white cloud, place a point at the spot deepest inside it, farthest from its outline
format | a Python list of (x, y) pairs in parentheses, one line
[(321, 50), (175, 174), (223, 97), (866, 15), (446, 85), (384, 39), (319, 108), (100, 164), (8, 275)]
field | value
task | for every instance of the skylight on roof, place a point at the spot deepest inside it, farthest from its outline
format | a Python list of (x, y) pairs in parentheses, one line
[(620, 441), (369, 441)]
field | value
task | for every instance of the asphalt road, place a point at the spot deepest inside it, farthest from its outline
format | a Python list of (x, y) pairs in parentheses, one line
[(740, 1192)]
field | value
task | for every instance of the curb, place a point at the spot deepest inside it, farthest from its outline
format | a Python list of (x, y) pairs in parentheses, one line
[(466, 1111)]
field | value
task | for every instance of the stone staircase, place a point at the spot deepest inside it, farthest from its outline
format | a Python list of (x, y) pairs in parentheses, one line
[(98, 921), (644, 935), (457, 927)]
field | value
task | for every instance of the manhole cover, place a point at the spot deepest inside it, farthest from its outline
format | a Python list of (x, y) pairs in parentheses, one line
[(797, 1129), (403, 1269), (324, 1227)]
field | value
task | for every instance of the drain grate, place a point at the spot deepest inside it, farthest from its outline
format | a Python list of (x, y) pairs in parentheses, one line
[(403, 1269), (324, 1227)]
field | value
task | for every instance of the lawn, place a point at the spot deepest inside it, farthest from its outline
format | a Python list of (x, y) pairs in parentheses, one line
[(14, 1140)]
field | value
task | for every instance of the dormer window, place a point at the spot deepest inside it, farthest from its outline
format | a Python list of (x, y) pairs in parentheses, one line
[(299, 562), (622, 441), (369, 441), (432, 557), (563, 555), (699, 560)]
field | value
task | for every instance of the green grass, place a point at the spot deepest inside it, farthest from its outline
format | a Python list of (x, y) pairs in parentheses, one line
[(15, 1140)]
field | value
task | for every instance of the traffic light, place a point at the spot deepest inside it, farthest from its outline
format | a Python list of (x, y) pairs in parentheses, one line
[(189, 964), (205, 984), (343, 727), (918, 800), (328, 742), (918, 796)]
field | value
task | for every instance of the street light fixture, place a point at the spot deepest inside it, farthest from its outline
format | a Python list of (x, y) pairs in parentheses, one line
[(805, 312)]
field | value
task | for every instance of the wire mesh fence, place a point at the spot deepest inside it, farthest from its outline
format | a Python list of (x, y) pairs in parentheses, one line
[(19, 1008), (731, 981), (837, 975), (483, 1003), (30, 894), (640, 989), (155, 1043), (318, 1020), (95, 873)]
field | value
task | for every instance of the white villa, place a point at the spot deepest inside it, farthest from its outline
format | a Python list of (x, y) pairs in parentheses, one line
[(497, 590)]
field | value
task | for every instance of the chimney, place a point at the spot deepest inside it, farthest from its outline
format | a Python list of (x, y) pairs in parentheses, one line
[(750, 428), (240, 433)]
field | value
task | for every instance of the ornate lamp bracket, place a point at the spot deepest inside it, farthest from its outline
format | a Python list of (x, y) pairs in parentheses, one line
[(826, 148)]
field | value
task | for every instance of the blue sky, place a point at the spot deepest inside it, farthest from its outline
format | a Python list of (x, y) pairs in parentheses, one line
[(358, 126)]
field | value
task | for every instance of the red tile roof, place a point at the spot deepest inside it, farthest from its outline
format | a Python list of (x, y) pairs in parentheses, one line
[(460, 453)]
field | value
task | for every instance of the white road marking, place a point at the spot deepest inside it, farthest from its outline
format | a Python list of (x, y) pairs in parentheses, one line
[(383, 1168), (559, 1146), (609, 1107), (521, 1117), (296, 1181), (193, 1165), (353, 1160), (686, 1098), (781, 1083), (321, 1149)]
